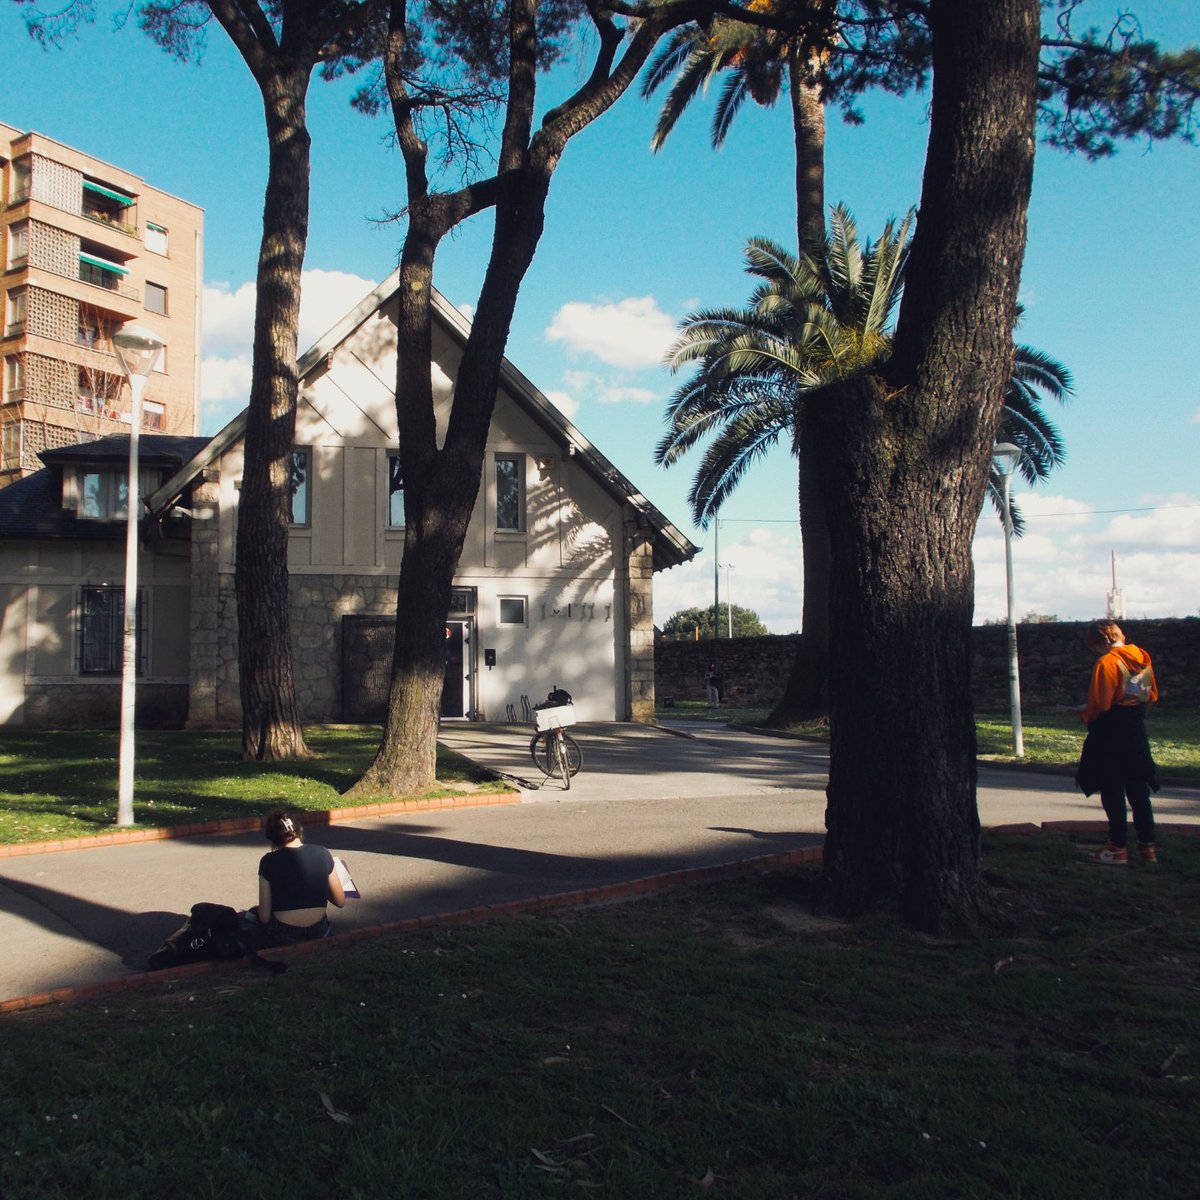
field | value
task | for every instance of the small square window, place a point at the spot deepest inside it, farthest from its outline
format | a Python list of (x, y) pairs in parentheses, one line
[(156, 298), (510, 492), (103, 495), (512, 610), (156, 238)]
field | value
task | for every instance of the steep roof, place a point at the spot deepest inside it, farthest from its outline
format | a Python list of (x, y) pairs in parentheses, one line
[(32, 507), (671, 546)]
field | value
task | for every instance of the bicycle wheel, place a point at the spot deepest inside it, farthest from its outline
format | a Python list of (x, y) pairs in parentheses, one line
[(541, 750), (574, 754), (560, 755)]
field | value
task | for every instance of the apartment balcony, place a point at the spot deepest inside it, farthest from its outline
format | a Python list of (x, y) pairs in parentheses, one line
[(109, 208)]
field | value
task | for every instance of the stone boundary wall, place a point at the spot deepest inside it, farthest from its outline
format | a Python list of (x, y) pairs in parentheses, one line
[(1054, 664)]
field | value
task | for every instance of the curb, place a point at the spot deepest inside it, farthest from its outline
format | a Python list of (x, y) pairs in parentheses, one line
[(597, 895), (331, 816)]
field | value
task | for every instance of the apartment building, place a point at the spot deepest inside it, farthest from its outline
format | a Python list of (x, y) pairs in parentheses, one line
[(87, 248)]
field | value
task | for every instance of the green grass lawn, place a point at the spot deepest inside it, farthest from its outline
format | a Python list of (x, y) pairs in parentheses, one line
[(63, 784), (714, 1040)]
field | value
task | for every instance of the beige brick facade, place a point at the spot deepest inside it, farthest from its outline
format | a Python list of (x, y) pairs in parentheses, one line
[(85, 248)]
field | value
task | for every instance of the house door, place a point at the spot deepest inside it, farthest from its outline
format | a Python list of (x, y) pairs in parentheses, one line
[(456, 694)]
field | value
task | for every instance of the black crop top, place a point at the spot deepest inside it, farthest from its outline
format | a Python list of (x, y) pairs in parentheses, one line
[(299, 878)]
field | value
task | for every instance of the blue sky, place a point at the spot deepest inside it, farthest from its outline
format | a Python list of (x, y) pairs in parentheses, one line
[(634, 241)]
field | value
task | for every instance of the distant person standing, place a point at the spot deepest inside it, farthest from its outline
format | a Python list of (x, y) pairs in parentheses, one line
[(1116, 759), (712, 682)]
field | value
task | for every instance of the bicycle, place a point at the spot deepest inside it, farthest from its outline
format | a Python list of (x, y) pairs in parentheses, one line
[(553, 750)]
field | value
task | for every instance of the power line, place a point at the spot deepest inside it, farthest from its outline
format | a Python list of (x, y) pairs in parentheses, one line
[(1089, 512)]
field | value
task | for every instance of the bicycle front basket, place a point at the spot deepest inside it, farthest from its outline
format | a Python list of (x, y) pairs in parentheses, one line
[(558, 717)]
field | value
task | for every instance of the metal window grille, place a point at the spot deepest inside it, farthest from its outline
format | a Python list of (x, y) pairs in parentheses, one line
[(102, 630)]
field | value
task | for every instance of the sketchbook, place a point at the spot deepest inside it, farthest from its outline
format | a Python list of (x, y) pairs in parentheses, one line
[(348, 884)]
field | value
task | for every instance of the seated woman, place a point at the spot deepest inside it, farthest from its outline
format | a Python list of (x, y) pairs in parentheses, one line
[(295, 882)]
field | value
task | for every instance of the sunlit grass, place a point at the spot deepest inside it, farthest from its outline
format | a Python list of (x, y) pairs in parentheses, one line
[(63, 784)]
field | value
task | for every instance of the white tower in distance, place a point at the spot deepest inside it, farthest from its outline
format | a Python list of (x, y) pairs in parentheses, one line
[(1116, 598)]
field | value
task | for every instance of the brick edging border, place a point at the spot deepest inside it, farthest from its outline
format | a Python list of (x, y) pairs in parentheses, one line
[(330, 816), (596, 895)]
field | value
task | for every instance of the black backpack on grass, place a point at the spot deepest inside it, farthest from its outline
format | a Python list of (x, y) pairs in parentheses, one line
[(212, 932)]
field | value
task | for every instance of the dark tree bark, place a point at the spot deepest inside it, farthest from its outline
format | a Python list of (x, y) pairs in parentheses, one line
[(271, 727), (806, 694), (281, 44), (904, 484), (441, 483)]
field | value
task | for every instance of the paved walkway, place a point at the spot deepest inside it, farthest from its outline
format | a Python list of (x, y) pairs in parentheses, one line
[(646, 803)]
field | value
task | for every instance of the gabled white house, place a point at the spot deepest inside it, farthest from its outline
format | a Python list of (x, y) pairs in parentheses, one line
[(554, 586)]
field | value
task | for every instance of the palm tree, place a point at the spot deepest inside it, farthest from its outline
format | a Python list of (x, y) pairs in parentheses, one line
[(758, 63), (809, 323)]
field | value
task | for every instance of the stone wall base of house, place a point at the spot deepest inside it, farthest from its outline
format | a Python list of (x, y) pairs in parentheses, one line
[(98, 705)]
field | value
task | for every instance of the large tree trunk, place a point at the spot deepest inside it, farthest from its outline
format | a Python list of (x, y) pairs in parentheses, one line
[(445, 482), (271, 726), (904, 486), (441, 485), (806, 694)]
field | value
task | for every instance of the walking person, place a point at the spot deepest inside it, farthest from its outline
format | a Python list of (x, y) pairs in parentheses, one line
[(1116, 759), (712, 683)]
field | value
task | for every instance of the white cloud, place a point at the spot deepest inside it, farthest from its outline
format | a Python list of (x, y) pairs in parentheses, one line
[(228, 319), (765, 574), (326, 297), (599, 389), (1063, 565), (633, 333), (564, 402)]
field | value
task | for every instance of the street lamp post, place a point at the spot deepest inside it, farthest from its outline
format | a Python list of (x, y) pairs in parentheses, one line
[(138, 349), (728, 597), (1006, 456)]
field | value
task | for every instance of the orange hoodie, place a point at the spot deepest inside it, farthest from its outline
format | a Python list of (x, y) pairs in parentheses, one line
[(1108, 681)]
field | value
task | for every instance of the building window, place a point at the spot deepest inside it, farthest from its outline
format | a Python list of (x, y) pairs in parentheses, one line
[(14, 316), (301, 469), (510, 492), (512, 610), (14, 378), (108, 206), (18, 243), (21, 174), (101, 272), (395, 519), (103, 495), (156, 238), (156, 298), (154, 416), (462, 601), (10, 446), (102, 630)]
